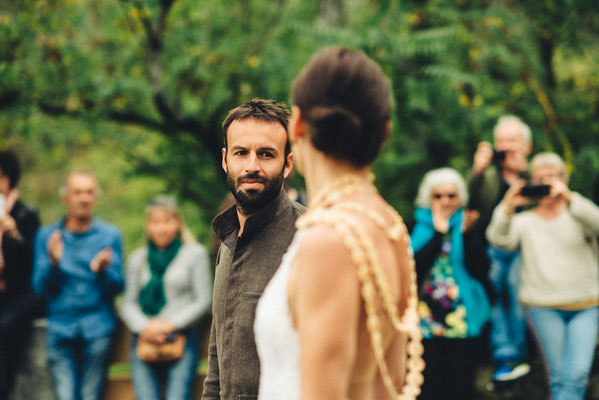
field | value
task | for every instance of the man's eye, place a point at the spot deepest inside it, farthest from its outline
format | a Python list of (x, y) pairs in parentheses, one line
[(267, 154), (240, 153)]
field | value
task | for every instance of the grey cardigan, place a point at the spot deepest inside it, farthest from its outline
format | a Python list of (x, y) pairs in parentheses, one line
[(187, 288)]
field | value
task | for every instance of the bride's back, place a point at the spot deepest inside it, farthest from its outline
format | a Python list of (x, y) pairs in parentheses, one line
[(365, 381)]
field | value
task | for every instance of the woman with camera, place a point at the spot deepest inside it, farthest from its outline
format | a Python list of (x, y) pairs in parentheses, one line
[(168, 290), (559, 271)]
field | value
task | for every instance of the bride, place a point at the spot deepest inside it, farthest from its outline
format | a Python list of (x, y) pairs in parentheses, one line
[(338, 320)]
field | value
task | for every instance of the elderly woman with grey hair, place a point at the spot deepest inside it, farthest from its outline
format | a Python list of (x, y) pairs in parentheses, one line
[(451, 268), (559, 273)]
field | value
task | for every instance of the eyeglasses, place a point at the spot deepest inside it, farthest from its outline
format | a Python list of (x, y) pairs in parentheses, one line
[(545, 178), (450, 196)]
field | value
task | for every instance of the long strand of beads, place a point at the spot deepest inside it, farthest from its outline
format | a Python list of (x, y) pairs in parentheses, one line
[(367, 265), (384, 293)]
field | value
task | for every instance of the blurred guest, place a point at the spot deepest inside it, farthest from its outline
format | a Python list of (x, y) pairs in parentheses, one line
[(168, 290), (18, 304), (451, 266), (493, 171), (559, 271), (77, 268)]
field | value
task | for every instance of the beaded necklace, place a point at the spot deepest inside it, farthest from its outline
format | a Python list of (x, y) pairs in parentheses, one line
[(328, 208)]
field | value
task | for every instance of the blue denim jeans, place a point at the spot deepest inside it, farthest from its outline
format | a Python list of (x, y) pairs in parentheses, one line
[(508, 324), (567, 340), (174, 378), (78, 366)]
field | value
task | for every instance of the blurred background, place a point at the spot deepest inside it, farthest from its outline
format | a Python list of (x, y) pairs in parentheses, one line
[(136, 90)]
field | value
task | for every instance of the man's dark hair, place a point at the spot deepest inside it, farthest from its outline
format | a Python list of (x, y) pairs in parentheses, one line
[(264, 110), (345, 98), (10, 167)]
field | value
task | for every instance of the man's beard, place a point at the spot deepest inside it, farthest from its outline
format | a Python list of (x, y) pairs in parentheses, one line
[(250, 201)]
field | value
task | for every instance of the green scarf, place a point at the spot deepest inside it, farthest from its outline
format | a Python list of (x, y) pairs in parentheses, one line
[(151, 297)]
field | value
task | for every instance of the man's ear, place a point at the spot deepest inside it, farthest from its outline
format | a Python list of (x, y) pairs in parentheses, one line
[(224, 161)]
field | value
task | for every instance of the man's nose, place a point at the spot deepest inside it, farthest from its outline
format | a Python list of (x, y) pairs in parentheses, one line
[(253, 164)]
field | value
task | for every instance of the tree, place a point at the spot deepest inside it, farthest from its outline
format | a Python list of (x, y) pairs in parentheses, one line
[(155, 78)]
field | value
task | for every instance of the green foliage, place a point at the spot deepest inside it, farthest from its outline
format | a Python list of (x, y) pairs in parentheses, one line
[(138, 89)]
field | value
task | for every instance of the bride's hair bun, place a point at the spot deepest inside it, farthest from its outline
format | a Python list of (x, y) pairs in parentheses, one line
[(346, 100)]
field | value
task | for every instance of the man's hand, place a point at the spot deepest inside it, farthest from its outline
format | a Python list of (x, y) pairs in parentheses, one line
[(482, 158), (55, 247), (101, 260), (8, 225)]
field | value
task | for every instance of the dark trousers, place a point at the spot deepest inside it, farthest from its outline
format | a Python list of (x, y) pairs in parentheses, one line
[(450, 368), (16, 314)]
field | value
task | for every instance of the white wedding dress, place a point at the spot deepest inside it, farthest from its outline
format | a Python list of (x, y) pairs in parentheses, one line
[(277, 341)]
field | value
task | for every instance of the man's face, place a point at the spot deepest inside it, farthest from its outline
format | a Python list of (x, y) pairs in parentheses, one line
[(255, 163), (81, 196), (510, 140)]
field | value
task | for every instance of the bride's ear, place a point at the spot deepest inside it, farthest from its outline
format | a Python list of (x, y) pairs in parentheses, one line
[(298, 128)]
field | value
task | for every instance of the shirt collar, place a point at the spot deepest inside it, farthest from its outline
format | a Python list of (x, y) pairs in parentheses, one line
[(92, 227), (227, 222)]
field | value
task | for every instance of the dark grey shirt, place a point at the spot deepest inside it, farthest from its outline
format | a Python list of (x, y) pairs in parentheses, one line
[(244, 266)]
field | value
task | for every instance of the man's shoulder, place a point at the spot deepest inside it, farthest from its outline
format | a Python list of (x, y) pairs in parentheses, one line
[(490, 174), (107, 227), (47, 229), (25, 210), (298, 209)]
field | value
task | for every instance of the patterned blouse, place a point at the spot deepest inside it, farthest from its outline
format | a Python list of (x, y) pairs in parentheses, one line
[(442, 313)]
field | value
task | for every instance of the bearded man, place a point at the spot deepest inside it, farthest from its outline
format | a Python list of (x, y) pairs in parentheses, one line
[(255, 233)]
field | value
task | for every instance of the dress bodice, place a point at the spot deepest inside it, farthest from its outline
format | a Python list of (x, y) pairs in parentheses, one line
[(277, 341)]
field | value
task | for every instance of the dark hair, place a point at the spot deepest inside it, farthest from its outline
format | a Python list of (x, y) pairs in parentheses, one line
[(346, 100), (264, 110), (9, 164)]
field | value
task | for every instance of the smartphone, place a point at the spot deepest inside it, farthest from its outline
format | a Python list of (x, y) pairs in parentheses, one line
[(530, 190), (498, 155), (2, 205)]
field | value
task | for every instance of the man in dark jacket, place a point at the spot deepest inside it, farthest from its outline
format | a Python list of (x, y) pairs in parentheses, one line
[(490, 178), (18, 304), (255, 233)]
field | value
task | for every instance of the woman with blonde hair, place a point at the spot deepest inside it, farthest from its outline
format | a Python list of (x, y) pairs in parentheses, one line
[(168, 290), (559, 273), (338, 320)]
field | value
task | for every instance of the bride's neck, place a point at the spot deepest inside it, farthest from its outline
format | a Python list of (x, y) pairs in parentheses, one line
[(321, 171)]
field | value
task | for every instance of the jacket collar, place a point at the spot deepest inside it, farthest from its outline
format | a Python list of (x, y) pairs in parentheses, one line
[(226, 224)]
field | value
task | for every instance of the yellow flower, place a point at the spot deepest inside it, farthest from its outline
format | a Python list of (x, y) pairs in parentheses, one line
[(457, 320), (423, 310)]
